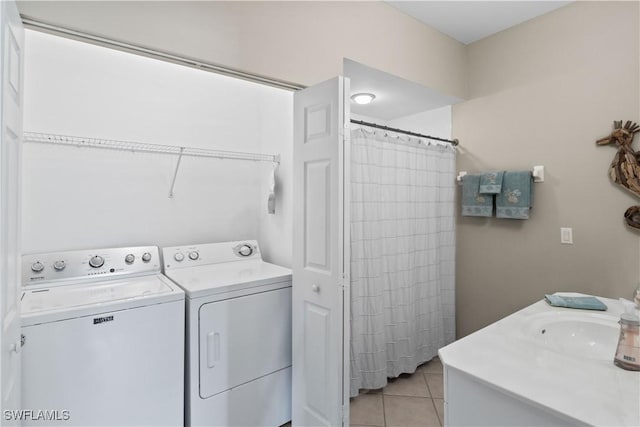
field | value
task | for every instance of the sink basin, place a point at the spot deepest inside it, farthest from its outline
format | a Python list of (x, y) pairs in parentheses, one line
[(542, 366), (584, 335)]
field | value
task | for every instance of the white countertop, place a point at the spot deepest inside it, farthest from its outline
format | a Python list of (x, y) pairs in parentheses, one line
[(589, 390)]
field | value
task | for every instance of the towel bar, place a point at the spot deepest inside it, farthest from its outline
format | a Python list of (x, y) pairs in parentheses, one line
[(537, 172)]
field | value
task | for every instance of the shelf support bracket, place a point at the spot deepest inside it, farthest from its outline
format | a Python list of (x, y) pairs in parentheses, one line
[(175, 173)]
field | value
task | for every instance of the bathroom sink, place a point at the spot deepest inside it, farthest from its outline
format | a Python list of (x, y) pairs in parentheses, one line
[(584, 335), (542, 365)]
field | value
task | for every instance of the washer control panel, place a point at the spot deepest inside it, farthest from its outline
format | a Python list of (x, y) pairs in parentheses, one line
[(212, 253), (90, 263)]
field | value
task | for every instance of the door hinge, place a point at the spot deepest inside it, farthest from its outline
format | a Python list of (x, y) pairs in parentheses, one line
[(23, 340), (344, 281), (345, 416)]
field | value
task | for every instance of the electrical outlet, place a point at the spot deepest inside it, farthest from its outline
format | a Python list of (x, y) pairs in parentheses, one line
[(566, 235)]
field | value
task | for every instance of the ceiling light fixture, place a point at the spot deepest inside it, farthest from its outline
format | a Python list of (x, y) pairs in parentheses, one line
[(363, 98)]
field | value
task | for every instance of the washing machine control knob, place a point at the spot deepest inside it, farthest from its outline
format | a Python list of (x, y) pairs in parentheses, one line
[(193, 255), (245, 250), (129, 258), (178, 256), (96, 261), (59, 265), (37, 267), (146, 257)]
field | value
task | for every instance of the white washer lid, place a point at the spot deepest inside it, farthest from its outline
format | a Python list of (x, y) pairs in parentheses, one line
[(69, 301), (228, 276)]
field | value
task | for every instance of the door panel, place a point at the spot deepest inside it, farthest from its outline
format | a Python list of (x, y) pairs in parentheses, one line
[(12, 40), (317, 180), (321, 142), (242, 339), (316, 350)]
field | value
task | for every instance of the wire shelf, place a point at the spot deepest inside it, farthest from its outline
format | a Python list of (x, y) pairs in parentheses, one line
[(113, 144)]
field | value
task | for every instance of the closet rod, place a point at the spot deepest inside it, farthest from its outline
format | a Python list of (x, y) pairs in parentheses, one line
[(453, 142), (79, 141), (35, 24)]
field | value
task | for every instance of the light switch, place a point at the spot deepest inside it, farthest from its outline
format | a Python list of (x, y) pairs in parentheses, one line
[(566, 236)]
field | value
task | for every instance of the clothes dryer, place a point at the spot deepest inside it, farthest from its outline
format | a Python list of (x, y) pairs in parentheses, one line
[(238, 345)]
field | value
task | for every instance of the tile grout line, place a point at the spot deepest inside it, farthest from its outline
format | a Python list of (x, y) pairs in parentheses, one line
[(384, 414), (424, 376), (433, 402)]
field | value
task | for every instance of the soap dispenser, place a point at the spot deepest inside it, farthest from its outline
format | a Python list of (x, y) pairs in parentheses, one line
[(628, 351)]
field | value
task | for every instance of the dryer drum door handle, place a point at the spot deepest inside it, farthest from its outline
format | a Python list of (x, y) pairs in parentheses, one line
[(213, 349)]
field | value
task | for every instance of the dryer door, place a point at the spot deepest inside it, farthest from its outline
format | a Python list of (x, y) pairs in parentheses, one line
[(244, 338)]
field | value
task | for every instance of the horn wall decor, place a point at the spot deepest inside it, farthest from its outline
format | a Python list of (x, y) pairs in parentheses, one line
[(625, 167)]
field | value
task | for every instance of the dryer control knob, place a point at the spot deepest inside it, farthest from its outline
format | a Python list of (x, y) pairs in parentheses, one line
[(37, 267), (245, 250), (129, 258), (96, 261), (146, 257), (179, 256), (193, 255), (59, 265)]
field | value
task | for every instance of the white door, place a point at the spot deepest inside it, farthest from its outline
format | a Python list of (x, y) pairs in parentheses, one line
[(12, 39), (320, 255)]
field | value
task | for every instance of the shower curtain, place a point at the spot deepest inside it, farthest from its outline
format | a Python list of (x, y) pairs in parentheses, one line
[(402, 254)]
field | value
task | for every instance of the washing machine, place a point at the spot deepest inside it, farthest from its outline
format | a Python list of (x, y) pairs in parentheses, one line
[(238, 334), (103, 339)]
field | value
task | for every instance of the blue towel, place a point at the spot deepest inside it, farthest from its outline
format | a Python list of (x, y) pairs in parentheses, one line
[(515, 199), (583, 303), (473, 203), (491, 182)]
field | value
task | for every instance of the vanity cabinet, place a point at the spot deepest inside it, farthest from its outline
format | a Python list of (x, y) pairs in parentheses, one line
[(472, 402), (541, 366)]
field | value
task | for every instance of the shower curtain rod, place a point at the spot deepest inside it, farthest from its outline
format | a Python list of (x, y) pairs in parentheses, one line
[(453, 142)]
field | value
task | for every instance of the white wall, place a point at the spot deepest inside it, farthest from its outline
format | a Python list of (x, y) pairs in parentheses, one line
[(369, 119), (276, 231), (298, 41), (81, 197), (436, 122)]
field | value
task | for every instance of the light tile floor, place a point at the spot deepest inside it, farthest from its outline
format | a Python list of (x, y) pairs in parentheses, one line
[(412, 400)]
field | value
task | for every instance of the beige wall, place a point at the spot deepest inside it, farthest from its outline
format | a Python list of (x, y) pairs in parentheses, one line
[(299, 42), (541, 93)]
